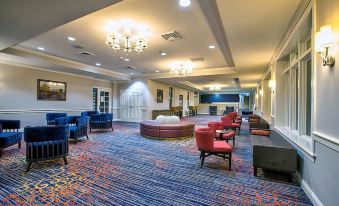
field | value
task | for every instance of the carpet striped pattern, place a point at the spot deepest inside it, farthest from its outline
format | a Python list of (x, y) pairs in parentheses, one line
[(123, 168)]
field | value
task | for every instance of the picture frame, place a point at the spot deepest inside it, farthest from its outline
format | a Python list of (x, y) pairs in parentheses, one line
[(48, 90), (160, 96)]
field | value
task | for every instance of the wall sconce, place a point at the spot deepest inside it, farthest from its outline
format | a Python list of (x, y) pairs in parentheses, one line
[(261, 92), (271, 85), (256, 96), (324, 39)]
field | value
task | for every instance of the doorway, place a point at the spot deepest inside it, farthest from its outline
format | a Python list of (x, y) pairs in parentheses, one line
[(131, 106), (102, 100)]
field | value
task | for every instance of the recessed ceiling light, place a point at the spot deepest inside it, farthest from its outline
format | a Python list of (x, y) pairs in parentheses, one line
[(126, 60), (211, 46), (184, 3), (41, 48), (157, 71), (163, 54), (98, 64), (71, 38), (132, 73), (122, 58)]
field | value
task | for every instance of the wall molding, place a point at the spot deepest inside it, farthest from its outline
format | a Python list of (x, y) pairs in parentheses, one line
[(21, 111), (310, 155), (326, 140), (309, 192), (10, 63)]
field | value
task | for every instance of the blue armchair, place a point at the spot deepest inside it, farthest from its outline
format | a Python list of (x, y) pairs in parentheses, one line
[(78, 126), (101, 121), (71, 120), (50, 117), (46, 143), (9, 134), (88, 113)]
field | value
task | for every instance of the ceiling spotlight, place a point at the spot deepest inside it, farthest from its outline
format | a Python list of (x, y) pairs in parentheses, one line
[(126, 60), (185, 3), (41, 48), (157, 71), (163, 53), (71, 38), (98, 64), (122, 58), (211, 46), (132, 73)]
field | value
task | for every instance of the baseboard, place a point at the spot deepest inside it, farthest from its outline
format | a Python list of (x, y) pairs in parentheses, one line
[(309, 192)]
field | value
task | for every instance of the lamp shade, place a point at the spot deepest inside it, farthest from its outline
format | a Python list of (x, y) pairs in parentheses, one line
[(324, 38)]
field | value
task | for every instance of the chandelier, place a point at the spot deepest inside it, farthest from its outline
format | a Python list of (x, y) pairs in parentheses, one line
[(215, 88), (182, 68), (127, 36)]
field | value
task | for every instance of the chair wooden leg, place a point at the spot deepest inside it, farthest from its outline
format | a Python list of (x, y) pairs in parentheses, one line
[(87, 137), (200, 155), (230, 161), (19, 145), (65, 160), (0, 152), (255, 171), (29, 166), (76, 140), (202, 159)]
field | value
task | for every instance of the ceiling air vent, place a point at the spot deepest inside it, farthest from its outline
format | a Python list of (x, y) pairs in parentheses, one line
[(237, 82), (197, 59), (85, 53), (172, 36), (77, 47)]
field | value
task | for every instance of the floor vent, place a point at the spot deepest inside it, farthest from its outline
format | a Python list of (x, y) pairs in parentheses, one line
[(171, 36)]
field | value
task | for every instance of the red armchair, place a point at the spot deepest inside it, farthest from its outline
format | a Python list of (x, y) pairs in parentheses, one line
[(219, 126), (208, 146), (216, 126), (234, 116), (228, 123)]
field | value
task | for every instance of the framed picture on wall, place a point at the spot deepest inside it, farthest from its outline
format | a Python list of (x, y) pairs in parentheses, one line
[(160, 96), (51, 90)]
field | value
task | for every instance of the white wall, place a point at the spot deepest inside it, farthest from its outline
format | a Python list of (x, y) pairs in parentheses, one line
[(18, 94), (318, 173), (149, 90)]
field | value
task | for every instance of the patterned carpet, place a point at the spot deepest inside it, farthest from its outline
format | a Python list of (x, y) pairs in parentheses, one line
[(123, 168)]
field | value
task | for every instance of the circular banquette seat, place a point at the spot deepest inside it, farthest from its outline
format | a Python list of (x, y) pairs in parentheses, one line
[(165, 130)]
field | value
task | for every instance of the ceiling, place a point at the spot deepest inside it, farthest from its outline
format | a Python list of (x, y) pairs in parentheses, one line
[(245, 40)]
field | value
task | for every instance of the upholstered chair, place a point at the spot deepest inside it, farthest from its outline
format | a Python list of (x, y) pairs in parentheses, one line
[(71, 120), (46, 143), (50, 117), (101, 121), (230, 135), (78, 126), (88, 113), (9, 134), (229, 124), (234, 116), (208, 146), (215, 126)]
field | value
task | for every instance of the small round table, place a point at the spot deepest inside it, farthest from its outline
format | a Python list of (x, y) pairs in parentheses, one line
[(225, 131)]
